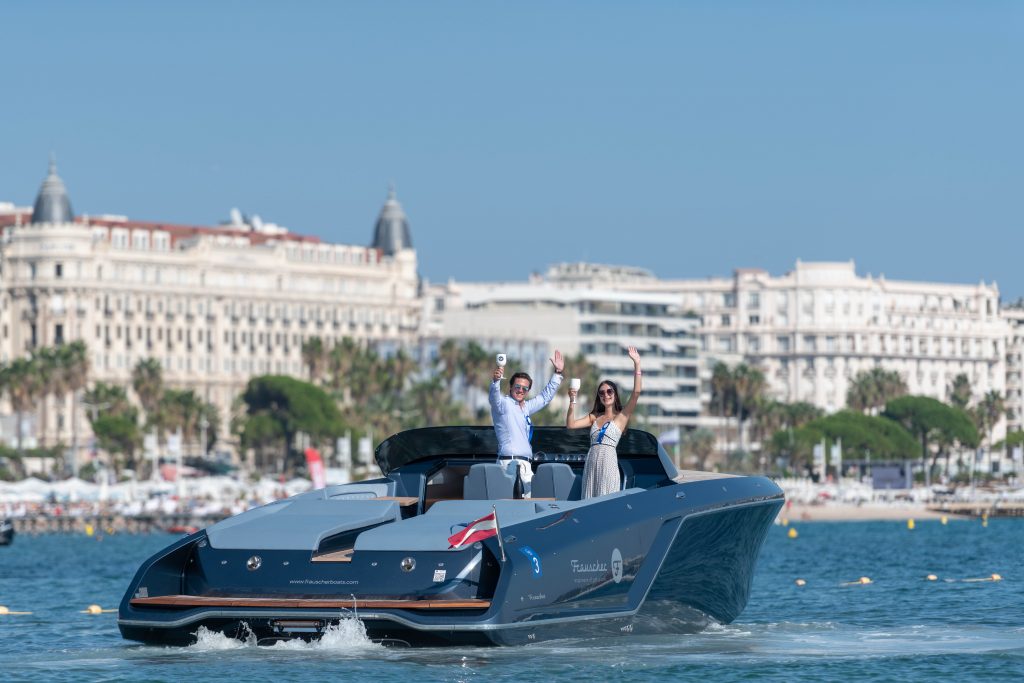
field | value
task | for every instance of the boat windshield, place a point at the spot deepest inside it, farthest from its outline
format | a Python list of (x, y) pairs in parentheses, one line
[(437, 442)]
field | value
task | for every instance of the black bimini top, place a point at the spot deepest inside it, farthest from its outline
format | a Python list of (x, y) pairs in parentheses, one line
[(436, 442)]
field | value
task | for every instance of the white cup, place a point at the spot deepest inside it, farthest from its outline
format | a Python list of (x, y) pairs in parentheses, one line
[(501, 359), (574, 383)]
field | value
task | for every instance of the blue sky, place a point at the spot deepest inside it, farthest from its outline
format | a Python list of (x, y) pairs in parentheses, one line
[(689, 138)]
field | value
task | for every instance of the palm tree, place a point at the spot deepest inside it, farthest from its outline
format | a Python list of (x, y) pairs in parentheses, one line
[(398, 368), (431, 403), (800, 413), (871, 389), (749, 385), (21, 383), (313, 357), (988, 412), (701, 443), (476, 362), (340, 361), (451, 359), (960, 391), (43, 362), (148, 383), (181, 409), (75, 367), (722, 393), (769, 417)]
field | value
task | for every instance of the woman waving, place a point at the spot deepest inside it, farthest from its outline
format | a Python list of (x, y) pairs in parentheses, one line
[(607, 421)]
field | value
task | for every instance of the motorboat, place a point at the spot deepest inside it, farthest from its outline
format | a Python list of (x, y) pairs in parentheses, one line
[(440, 550), (6, 532)]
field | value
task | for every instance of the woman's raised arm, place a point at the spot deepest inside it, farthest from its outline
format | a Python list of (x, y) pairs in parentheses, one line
[(637, 383)]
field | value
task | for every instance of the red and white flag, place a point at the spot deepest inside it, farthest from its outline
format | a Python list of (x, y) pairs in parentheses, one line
[(315, 465), (485, 527)]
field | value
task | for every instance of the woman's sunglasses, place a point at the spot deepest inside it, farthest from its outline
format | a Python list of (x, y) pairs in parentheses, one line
[(605, 392)]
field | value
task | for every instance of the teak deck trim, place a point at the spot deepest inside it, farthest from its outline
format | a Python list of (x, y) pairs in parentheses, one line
[(212, 601), (337, 556)]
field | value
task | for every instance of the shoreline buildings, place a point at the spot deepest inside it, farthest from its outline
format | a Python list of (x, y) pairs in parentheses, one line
[(810, 331), (219, 304), (214, 305)]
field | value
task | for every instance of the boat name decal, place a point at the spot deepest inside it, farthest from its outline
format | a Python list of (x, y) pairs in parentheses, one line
[(588, 567)]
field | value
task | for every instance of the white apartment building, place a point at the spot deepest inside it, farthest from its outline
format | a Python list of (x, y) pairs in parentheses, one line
[(810, 331), (814, 328), (530, 319), (215, 305), (1014, 316)]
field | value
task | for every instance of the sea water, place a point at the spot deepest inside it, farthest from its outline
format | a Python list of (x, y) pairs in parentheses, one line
[(900, 626)]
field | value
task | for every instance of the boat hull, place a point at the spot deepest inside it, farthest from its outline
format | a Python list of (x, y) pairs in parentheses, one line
[(669, 559), (6, 532)]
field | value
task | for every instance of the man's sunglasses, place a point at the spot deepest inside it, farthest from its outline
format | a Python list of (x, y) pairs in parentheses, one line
[(606, 392), (520, 387)]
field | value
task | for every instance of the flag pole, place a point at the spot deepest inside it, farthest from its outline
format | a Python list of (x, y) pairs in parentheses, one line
[(497, 527)]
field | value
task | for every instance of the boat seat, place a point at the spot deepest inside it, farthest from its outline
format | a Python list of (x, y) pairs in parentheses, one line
[(487, 481), (556, 480)]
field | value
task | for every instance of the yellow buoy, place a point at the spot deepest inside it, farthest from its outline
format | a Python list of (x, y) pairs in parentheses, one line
[(944, 520), (801, 582), (96, 609), (862, 581), (910, 524), (792, 533), (7, 611), (932, 577), (89, 531)]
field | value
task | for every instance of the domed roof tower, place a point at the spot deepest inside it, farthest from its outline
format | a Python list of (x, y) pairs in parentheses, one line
[(391, 234), (52, 203)]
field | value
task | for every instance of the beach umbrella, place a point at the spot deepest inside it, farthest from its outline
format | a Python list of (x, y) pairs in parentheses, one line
[(74, 489)]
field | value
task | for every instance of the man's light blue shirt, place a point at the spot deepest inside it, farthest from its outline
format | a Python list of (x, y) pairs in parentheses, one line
[(510, 425)]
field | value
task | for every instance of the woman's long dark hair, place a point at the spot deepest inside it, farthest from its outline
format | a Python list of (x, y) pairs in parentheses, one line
[(598, 406)]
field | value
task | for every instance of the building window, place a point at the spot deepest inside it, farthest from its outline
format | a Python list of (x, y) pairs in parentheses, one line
[(809, 343), (754, 300), (58, 270), (755, 320), (782, 344), (726, 321)]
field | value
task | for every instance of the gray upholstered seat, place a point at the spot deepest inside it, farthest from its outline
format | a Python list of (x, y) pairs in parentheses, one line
[(487, 481), (556, 480)]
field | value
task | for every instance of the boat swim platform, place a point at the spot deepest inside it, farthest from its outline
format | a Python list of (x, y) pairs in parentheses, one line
[(188, 601)]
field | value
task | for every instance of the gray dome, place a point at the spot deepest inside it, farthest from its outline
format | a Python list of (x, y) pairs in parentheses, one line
[(52, 203), (392, 231)]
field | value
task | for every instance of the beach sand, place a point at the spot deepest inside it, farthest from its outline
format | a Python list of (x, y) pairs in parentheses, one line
[(846, 512)]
